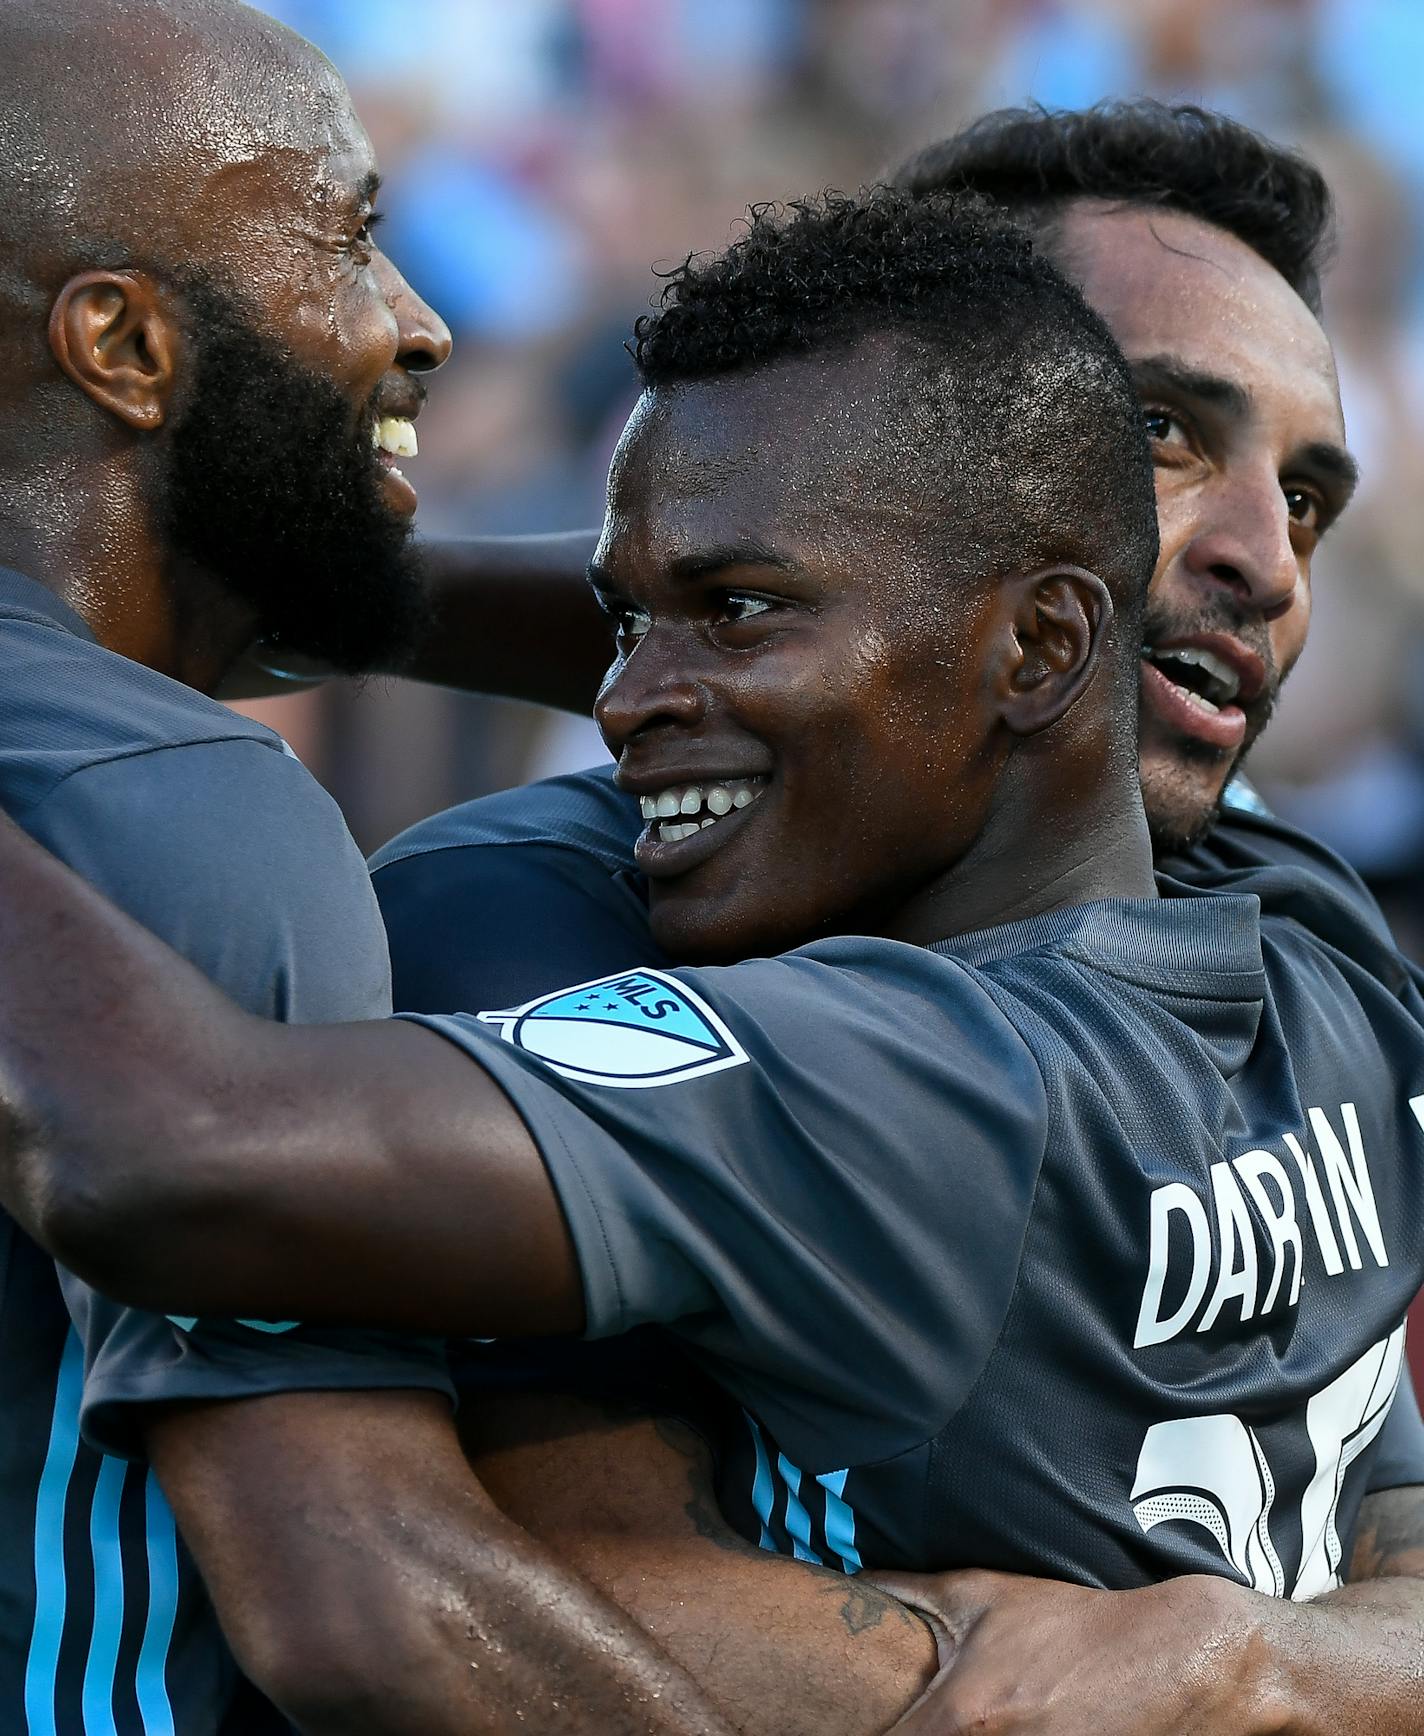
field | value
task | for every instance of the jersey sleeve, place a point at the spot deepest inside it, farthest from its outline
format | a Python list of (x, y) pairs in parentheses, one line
[(1398, 1461), (818, 1171), (235, 856)]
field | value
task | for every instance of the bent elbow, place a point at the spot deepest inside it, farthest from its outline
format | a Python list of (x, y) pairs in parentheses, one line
[(103, 1206)]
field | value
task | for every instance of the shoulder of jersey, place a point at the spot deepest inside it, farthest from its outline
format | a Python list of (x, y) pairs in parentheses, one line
[(68, 691), (582, 811)]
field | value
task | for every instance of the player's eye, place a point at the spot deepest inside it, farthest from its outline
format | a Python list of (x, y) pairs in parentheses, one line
[(629, 624), (365, 238), (1305, 508), (744, 605), (1163, 427)]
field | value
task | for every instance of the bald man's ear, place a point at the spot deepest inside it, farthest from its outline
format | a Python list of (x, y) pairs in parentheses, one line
[(1060, 621), (115, 336)]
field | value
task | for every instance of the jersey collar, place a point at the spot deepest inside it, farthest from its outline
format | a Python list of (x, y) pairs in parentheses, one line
[(25, 599), (1183, 939)]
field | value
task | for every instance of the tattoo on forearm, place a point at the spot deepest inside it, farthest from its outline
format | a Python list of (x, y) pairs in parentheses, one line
[(701, 1505)]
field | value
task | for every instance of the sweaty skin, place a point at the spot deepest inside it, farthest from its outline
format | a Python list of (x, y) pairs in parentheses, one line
[(261, 1174), (1239, 385), (222, 140)]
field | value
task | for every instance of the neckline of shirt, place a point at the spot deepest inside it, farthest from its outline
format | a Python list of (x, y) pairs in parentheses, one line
[(1199, 938), (28, 599)]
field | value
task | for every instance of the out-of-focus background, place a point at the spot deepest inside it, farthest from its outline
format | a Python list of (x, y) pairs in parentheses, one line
[(542, 155)]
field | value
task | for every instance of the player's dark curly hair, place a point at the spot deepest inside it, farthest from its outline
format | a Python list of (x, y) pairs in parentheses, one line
[(1015, 434), (1032, 161)]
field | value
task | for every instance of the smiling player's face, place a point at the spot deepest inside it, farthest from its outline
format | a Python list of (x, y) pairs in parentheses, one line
[(795, 702), (1238, 383)]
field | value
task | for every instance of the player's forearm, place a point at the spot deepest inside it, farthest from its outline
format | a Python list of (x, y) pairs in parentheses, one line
[(1353, 1661), (370, 1589), (1350, 1664), (782, 1648), (514, 616), (188, 1158)]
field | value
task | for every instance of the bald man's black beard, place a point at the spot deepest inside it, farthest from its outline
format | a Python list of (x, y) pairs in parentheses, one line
[(273, 487)]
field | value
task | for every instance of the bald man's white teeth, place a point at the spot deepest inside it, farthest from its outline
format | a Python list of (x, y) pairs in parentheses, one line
[(396, 436)]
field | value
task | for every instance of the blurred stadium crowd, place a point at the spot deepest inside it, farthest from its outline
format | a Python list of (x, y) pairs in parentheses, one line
[(541, 156)]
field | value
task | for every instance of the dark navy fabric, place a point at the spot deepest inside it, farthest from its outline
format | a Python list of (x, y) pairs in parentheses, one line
[(201, 825), (577, 832), (866, 1212)]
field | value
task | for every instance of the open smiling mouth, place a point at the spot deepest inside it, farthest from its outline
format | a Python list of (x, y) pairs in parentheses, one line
[(394, 437), (1208, 681), (687, 823), (1200, 692), (682, 809)]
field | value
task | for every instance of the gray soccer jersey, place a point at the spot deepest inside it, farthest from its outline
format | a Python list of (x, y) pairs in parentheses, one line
[(202, 826), (845, 1123)]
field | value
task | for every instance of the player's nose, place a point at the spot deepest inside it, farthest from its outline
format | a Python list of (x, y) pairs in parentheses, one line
[(656, 686), (1244, 545), (423, 339)]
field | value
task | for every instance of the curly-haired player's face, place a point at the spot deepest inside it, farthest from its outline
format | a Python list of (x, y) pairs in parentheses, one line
[(1243, 410), (796, 699)]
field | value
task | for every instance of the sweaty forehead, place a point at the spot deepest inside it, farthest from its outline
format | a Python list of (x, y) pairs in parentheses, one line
[(152, 120), (1170, 284), (797, 437)]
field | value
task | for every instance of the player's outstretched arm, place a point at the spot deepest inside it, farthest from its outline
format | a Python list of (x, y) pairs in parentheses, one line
[(629, 1500), (186, 1157), (370, 1588), (514, 616), (1196, 1656), (510, 616)]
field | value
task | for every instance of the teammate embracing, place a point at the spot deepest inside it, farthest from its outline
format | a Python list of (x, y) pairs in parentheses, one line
[(878, 539)]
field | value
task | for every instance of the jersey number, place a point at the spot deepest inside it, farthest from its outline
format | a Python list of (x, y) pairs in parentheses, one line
[(1212, 1472)]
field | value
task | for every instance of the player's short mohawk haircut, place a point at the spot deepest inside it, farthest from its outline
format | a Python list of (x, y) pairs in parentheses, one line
[(836, 267), (1032, 161), (1017, 435)]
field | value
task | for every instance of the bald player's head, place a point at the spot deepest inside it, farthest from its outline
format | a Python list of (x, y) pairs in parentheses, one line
[(193, 311), (132, 128)]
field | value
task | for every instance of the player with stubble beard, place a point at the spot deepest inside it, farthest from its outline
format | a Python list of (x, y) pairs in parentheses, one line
[(965, 750), (208, 368), (1201, 245)]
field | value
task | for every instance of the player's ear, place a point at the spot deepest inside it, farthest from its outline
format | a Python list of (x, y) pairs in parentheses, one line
[(1058, 631), (114, 333)]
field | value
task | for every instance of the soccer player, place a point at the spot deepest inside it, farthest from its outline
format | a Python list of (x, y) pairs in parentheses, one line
[(207, 365), (1201, 245), (877, 1160)]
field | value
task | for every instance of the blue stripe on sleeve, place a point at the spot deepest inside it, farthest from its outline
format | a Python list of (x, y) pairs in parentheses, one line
[(155, 1707), (99, 1672), (761, 1485), (840, 1519), (51, 1586), (798, 1520)]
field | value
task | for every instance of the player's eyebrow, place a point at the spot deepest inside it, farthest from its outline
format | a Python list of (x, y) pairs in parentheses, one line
[(699, 563), (1334, 464), (1172, 375)]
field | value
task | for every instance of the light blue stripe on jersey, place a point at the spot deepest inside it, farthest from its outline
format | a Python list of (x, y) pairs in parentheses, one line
[(154, 1706), (798, 1520), (51, 1588), (840, 1519), (761, 1485), (99, 1672)]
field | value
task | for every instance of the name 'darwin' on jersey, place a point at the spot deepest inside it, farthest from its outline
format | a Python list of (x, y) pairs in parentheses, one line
[(1321, 1182)]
